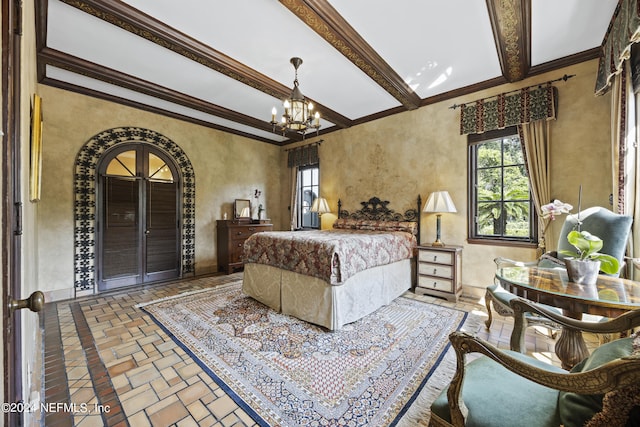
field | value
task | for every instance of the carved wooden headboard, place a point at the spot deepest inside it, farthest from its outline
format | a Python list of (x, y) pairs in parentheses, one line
[(376, 209)]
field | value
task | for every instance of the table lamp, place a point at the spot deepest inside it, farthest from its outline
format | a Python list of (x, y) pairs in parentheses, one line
[(320, 206), (439, 202)]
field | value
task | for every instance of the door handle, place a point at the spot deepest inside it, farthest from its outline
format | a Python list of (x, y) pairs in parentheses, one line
[(34, 303)]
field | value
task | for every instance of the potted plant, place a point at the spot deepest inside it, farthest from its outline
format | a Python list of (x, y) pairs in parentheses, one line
[(583, 266)]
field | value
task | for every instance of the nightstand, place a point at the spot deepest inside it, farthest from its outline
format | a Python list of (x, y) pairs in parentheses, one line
[(440, 271)]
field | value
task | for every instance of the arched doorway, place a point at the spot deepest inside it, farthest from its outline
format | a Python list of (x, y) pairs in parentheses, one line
[(86, 200), (138, 232)]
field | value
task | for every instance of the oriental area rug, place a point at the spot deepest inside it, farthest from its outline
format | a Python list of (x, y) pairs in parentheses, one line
[(286, 372)]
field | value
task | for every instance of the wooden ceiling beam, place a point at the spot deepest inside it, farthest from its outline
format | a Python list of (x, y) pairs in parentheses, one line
[(94, 71), (130, 19), (511, 24), (322, 18)]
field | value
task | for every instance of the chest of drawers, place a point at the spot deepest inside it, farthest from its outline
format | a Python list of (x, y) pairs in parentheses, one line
[(231, 237), (439, 271)]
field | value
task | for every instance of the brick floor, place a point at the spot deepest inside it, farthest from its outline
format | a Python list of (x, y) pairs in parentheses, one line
[(118, 368)]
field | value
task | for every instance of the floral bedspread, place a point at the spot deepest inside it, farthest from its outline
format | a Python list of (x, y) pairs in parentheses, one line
[(331, 255)]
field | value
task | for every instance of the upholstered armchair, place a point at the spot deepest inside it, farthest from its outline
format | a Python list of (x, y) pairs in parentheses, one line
[(612, 228), (508, 388)]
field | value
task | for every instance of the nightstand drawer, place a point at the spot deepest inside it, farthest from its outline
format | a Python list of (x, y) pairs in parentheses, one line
[(438, 284), (434, 256), (435, 270)]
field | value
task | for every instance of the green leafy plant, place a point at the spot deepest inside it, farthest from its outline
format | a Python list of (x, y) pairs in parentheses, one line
[(587, 246)]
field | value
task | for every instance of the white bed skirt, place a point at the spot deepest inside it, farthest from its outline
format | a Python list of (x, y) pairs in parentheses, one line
[(315, 301)]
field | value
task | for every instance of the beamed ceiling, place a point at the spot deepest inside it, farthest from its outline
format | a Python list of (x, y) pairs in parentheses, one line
[(225, 64)]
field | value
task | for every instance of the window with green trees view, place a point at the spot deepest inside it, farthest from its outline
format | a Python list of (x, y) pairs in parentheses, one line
[(501, 207)]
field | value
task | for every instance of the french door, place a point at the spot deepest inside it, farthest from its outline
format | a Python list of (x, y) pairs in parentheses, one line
[(139, 217)]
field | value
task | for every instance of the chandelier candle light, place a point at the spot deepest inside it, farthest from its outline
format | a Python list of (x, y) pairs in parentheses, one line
[(297, 110), (439, 202)]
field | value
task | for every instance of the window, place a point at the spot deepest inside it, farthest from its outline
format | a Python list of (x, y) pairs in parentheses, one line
[(501, 208), (309, 189)]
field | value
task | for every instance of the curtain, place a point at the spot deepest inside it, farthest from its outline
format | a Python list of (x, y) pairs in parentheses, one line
[(623, 32), (530, 109), (509, 109), (294, 172), (535, 138), (307, 155), (624, 157)]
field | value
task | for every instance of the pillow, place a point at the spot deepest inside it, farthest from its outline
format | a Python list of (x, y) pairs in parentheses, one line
[(376, 225), (576, 409)]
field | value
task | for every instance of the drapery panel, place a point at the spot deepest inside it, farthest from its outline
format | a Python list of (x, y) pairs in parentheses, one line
[(535, 140), (623, 32), (294, 223), (625, 158), (509, 109)]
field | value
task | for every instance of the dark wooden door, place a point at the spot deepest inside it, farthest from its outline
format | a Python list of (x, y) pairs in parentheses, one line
[(121, 238), (161, 233), (140, 222)]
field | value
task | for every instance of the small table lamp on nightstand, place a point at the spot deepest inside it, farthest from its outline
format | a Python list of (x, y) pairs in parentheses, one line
[(320, 206), (439, 202)]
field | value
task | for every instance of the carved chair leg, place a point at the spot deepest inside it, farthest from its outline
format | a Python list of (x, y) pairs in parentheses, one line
[(487, 302)]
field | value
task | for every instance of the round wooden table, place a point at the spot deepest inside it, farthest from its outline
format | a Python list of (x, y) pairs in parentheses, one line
[(609, 297)]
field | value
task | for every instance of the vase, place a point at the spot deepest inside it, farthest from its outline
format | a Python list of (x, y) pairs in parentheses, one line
[(583, 272)]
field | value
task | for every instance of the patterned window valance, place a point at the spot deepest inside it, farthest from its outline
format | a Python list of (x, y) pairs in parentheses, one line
[(306, 155), (623, 31), (509, 109)]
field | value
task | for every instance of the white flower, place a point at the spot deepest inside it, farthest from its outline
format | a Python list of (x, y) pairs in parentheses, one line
[(554, 208)]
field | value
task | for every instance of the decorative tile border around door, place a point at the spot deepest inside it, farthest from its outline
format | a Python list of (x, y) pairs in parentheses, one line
[(85, 199)]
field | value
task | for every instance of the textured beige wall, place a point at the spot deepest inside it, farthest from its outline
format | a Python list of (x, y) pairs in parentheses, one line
[(417, 152), (31, 340), (226, 167), (396, 158)]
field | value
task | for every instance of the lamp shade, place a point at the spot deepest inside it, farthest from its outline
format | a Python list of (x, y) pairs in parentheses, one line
[(245, 213), (320, 206), (439, 202)]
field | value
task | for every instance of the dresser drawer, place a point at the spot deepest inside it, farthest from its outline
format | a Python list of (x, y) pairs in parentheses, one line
[(434, 256), (433, 283), (435, 270), (242, 233), (236, 251), (231, 235)]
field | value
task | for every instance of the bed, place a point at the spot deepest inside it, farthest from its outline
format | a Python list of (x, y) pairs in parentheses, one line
[(334, 277)]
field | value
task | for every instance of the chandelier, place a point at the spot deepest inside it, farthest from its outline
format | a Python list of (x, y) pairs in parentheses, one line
[(297, 110)]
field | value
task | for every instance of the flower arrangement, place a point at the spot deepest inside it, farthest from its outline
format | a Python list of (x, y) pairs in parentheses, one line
[(587, 245), (552, 210)]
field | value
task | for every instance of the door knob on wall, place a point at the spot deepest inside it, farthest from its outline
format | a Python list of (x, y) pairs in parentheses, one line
[(34, 303)]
